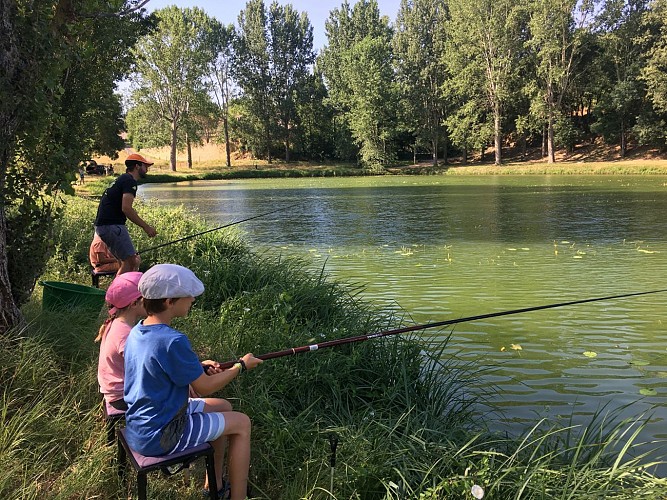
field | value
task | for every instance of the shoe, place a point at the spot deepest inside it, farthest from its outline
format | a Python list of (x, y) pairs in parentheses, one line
[(224, 493)]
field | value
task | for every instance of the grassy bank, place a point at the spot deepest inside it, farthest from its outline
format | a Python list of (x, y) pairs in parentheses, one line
[(407, 417), (258, 169)]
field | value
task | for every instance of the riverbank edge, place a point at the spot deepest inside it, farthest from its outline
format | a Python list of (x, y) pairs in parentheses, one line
[(96, 185)]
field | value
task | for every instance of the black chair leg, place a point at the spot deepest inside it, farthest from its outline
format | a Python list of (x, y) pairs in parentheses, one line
[(141, 485), (122, 462), (111, 432), (212, 482)]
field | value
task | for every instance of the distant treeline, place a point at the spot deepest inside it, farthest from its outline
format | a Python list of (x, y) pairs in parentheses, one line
[(444, 78)]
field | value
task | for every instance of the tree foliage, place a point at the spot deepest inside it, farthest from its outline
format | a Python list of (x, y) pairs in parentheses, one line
[(358, 68), (487, 39), (420, 49), (171, 63), (60, 61)]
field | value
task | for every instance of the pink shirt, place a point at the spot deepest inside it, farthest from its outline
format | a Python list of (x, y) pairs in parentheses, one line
[(111, 366)]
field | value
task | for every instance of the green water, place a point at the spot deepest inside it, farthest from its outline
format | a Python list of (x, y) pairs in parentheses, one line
[(449, 247)]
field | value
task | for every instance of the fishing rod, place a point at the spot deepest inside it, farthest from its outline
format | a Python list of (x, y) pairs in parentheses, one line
[(361, 338), (216, 229)]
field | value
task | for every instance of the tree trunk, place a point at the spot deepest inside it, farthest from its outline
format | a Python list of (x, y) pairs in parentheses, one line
[(268, 143), (445, 149), (497, 134), (523, 145), (550, 125), (189, 148), (465, 154), (12, 67), (225, 126), (550, 139), (414, 153), (10, 314), (624, 139), (544, 140), (435, 146), (287, 142), (172, 155)]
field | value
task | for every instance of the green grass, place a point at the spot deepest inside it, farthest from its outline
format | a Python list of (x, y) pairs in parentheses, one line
[(409, 421)]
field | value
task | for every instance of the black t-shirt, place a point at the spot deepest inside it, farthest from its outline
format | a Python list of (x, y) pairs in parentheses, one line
[(110, 209)]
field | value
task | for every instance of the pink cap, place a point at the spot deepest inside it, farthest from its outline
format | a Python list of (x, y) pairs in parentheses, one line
[(124, 290)]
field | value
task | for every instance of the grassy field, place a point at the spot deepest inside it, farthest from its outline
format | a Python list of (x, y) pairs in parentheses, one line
[(409, 422)]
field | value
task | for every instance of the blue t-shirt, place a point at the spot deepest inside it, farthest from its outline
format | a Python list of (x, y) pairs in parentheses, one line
[(159, 366)]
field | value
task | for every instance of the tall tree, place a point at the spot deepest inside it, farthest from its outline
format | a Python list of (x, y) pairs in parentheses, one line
[(171, 65), (655, 71), (220, 77), (357, 65), (58, 64), (487, 36), (621, 33), (557, 29), (420, 49), (291, 55), (252, 71), (277, 45)]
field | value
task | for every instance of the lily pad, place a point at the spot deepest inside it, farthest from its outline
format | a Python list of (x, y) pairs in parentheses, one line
[(516, 347), (639, 362), (646, 391), (590, 354)]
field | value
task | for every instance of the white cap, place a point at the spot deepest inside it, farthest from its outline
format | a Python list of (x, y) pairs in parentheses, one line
[(169, 281)]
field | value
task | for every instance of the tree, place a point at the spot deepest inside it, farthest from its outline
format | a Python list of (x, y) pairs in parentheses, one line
[(654, 73), (252, 71), (59, 61), (274, 53), (487, 40), (557, 29), (171, 65), (357, 65), (420, 50), (291, 56), (220, 77)]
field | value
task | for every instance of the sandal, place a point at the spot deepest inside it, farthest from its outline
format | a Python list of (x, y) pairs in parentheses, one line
[(224, 493)]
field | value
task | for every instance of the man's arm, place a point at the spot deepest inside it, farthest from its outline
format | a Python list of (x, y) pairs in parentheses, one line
[(132, 214)]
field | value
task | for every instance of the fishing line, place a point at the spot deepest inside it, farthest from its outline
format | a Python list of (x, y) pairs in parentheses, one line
[(386, 333), (216, 229)]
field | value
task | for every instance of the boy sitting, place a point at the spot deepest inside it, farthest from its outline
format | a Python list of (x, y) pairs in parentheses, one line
[(160, 365)]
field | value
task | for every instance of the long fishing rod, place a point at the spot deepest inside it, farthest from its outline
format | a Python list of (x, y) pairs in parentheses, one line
[(216, 229), (361, 338)]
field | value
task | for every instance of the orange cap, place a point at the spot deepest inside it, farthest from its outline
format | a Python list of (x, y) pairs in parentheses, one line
[(138, 157)]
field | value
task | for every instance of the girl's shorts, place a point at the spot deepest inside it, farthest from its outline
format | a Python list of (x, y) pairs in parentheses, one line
[(200, 427)]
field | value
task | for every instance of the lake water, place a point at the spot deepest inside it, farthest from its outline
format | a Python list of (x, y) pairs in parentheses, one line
[(449, 247)]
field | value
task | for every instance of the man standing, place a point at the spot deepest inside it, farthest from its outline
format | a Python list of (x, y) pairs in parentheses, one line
[(116, 207)]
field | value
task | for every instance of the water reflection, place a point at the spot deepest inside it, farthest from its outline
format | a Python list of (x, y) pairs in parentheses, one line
[(455, 247)]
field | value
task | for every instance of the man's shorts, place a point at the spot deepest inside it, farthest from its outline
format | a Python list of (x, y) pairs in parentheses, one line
[(200, 427), (117, 238)]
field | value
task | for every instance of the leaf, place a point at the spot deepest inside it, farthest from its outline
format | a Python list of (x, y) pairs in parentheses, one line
[(516, 347), (590, 354), (639, 362), (647, 391)]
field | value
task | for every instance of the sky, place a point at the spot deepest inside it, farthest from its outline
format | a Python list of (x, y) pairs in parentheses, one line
[(227, 11)]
